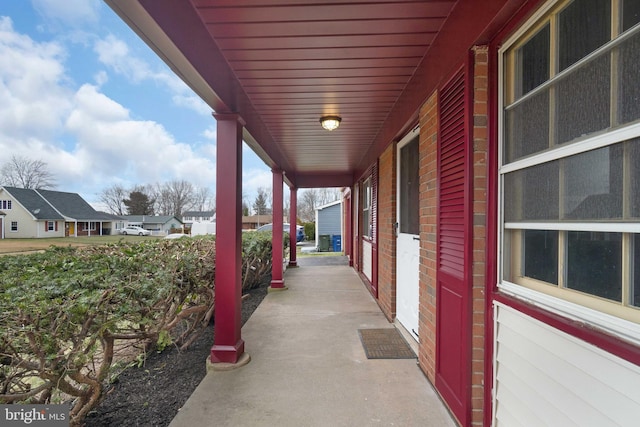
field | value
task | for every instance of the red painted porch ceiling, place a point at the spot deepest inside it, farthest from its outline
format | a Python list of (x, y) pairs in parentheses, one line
[(300, 60), (296, 60)]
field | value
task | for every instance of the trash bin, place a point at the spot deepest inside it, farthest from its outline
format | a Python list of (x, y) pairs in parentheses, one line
[(337, 243), (325, 243)]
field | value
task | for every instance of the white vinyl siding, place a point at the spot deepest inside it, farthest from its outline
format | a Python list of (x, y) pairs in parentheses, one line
[(329, 219), (544, 377)]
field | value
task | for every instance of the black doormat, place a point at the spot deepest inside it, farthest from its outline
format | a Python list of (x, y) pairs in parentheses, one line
[(386, 343)]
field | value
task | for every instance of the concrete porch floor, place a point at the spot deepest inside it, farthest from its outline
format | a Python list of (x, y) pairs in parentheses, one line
[(308, 367)]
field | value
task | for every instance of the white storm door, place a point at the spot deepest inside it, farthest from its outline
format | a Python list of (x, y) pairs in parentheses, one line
[(408, 232)]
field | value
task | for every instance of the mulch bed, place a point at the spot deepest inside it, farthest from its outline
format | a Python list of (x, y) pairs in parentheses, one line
[(152, 394)]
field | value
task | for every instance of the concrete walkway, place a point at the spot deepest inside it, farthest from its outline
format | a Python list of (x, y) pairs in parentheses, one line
[(308, 367)]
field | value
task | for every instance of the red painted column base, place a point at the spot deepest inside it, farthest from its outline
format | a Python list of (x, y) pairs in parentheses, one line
[(227, 353), (277, 285)]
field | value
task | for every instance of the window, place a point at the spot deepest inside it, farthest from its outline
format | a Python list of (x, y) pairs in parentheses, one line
[(51, 226), (410, 188), (86, 226), (570, 157), (5, 204), (366, 208), (14, 225)]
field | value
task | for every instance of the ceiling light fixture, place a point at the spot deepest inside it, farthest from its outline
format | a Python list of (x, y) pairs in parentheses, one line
[(330, 122)]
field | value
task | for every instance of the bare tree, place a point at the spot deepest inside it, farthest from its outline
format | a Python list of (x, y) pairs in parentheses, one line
[(307, 205), (286, 208), (113, 198), (327, 195), (203, 200), (162, 195), (312, 198), (26, 173), (174, 197)]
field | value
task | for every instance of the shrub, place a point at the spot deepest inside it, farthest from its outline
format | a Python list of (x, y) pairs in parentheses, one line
[(65, 312), (310, 230)]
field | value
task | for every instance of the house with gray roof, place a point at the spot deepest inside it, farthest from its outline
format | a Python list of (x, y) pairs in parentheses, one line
[(157, 224), (189, 217), (30, 213)]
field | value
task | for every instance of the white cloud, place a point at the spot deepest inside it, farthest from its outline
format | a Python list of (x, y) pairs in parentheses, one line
[(68, 12), (32, 84), (110, 141), (192, 102), (115, 54), (255, 178), (101, 78)]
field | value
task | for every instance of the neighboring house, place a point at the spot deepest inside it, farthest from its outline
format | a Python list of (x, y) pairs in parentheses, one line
[(117, 222), (46, 213), (252, 222), (2, 216), (189, 217), (158, 224), (329, 221)]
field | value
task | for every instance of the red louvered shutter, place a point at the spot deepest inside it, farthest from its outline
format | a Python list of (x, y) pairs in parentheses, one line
[(374, 230), (374, 204), (453, 239)]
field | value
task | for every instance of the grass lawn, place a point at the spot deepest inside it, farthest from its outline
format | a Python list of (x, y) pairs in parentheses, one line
[(11, 246), (299, 252)]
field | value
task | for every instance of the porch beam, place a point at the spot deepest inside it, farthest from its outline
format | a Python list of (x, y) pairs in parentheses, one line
[(293, 229), (228, 345), (277, 282)]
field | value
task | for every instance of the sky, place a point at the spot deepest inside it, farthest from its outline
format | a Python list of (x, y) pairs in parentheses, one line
[(82, 93)]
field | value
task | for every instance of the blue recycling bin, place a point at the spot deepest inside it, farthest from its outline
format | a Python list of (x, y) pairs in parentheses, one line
[(337, 243)]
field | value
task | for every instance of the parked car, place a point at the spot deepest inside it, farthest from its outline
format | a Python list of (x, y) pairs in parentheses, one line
[(135, 230), (176, 236), (285, 228)]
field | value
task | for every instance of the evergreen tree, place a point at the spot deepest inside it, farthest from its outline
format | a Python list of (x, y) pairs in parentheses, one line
[(139, 203), (260, 203)]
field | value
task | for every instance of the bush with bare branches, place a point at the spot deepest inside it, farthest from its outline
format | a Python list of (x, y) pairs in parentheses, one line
[(65, 313)]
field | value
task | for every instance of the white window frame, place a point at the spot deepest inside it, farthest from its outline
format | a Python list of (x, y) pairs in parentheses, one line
[(625, 329), (366, 207), (11, 227), (51, 226)]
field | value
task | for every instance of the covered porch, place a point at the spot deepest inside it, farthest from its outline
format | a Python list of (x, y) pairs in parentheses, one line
[(457, 126), (308, 365)]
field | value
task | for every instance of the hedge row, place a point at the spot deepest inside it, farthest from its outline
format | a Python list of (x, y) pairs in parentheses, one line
[(65, 313)]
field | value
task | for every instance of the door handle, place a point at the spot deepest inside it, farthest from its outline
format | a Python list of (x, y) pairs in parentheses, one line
[(416, 238)]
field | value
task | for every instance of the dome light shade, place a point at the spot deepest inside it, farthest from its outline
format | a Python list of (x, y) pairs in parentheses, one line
[(330, 122)]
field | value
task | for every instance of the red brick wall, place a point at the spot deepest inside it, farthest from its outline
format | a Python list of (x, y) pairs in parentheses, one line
[(479, 185), (386, 236), (428, 194)]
